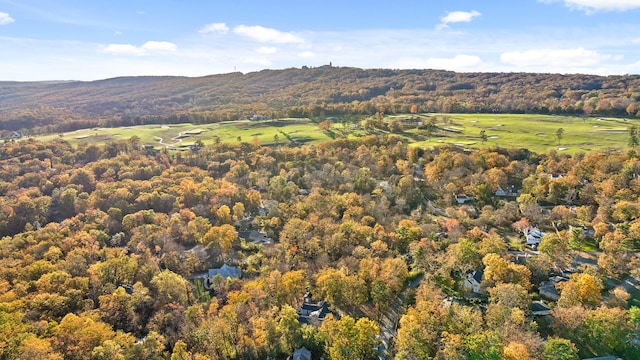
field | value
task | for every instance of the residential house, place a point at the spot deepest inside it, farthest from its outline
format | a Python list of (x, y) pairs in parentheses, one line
[(556, 176), (300, 354), (304, 192), (15, 135), (533, 235), (255, 237), (586, 231), (244, 224), (447, 302), (548, 289), (473, 280), (538, 308), (226, 271), (312, 312), (259, 188), (463, 198), (509, 192)]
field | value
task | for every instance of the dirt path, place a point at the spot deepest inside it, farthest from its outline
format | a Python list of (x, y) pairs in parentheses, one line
[(177, 140)]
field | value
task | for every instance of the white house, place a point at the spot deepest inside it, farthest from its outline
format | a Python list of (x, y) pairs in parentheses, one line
[(473, 280), (533, 235)]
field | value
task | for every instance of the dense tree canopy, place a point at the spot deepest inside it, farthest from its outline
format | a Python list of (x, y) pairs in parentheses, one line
[(100, 254)]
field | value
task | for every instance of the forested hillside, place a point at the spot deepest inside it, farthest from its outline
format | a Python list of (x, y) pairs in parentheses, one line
[(306, 92), (105, 250)]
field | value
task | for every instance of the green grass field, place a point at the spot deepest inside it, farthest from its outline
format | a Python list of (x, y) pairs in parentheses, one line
[(534, 132), (181, 136)]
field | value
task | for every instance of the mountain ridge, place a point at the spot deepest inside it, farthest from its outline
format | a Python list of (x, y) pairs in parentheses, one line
[(325, 90)]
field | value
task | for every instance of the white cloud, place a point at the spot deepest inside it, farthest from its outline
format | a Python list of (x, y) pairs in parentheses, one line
[(266, 50), (221, 28), (307, 54), (456, 17), (159, 46), (590, 6), (267, 35), (122, 49), (132, 50), (555, 58), (5, 19)]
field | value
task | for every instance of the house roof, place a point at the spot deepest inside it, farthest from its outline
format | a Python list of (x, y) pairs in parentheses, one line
[(311, 310), (477, 275), (548, 290), (251, 235), (302, 354), (533, 231), (533, 235), (226, 272), (537, 306)]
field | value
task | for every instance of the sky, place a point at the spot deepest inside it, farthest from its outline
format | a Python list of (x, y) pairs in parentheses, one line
[(99, 39)]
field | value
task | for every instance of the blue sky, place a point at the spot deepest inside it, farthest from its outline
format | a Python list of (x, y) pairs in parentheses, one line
[(97, 39)]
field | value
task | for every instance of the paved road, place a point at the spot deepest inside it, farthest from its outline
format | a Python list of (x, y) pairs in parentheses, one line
[(390, 319)]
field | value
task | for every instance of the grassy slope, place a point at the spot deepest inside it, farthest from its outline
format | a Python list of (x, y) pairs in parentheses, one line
[(503, 130), (300, 130), (535, 132)]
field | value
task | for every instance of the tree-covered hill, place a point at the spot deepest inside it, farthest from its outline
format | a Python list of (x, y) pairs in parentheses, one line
[(322, 91)]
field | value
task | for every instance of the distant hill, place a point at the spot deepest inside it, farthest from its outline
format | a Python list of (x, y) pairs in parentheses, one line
[(323, 91)]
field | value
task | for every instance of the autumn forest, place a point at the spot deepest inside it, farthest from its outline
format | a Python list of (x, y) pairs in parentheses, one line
[(354, 248)]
